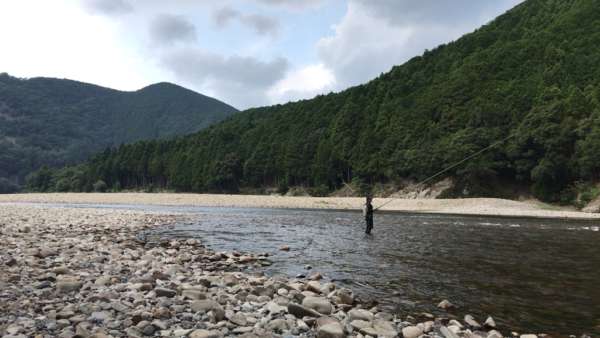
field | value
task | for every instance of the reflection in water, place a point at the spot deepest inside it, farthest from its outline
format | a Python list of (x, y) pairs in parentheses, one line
[(529, 274)]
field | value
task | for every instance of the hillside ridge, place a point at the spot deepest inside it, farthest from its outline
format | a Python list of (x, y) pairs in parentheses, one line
[(531, 72), (56, 122)]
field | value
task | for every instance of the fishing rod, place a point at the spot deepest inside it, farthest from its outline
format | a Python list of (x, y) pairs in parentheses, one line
[(451, 167)]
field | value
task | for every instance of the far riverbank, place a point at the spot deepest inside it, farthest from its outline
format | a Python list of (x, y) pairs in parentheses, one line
[(470, 206)]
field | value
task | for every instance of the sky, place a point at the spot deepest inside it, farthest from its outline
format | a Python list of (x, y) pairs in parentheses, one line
[(246, 53)]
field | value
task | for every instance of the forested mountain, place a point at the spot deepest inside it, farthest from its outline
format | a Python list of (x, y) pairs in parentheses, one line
[(533, 73), (45, 121)]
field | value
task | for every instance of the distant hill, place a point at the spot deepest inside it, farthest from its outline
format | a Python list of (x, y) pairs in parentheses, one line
[(533, 73), (54, 122)]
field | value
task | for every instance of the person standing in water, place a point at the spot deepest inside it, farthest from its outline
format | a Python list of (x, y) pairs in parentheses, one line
[(368, 212)]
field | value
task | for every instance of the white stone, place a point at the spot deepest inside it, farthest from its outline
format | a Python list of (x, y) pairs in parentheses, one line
[(472, 322), (490, 322), (205, 334), (318, 304), (331, 330), (360, 314), (360, 324), (494, 334), (411, 332), (445, 304)]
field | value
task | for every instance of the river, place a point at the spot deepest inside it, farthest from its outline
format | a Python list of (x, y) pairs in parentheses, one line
[(531, 275)]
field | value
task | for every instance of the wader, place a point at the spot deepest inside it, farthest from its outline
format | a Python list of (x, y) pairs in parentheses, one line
[(369, 216)]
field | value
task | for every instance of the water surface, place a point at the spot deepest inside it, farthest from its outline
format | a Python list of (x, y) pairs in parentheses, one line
[(532, 275)]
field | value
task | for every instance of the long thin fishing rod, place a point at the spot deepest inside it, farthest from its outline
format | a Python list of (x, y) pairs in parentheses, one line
[(453, 166)]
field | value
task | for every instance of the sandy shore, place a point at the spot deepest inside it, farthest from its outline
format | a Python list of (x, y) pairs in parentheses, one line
[(471, 206), (80, 272)]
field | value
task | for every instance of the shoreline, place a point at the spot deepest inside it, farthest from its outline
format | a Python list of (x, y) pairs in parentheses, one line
[(121, 206), (490, 207), (83, 272)]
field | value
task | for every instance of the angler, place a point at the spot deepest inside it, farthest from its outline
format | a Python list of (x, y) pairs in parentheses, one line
[(368, 213)]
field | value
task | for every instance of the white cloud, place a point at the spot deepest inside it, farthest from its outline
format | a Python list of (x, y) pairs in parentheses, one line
[(362, 47), (436, 12), (373, 36), (260, 24), (168, 29), (224, 15), (240, 81), (58, 39), (107, 7), (106, 42), (293, 4), (302, 83)]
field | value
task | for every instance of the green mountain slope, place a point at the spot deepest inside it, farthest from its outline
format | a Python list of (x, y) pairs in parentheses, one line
[(532, 73), (45, 121)]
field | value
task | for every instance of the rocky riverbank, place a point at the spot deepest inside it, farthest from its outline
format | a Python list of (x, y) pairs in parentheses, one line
[(75, 272)]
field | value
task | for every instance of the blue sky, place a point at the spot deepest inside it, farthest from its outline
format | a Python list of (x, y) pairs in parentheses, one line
[(245, 52)]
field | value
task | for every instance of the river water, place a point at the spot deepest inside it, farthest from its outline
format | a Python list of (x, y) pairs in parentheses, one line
[(531, 275)]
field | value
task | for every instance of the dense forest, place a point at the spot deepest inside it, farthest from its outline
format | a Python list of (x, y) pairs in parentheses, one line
[(532, 74), (53, 122)]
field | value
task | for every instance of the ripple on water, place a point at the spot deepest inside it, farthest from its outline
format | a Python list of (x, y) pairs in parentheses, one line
[(514, 269)]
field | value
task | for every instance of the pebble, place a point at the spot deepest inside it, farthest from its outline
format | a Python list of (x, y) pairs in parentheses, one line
[(490, 323), (456, 323), (278, 325), (300, 311), (427, 326), (148, 329), (345, 296), (99, 316), (315, 276), (110, 282), (68, 285), (238, 319), (204, 305), (62, 270), (319, 304), (275, 308), (411, 332), (193, 294), (384, 328), (360, 314), (314, 286), (455, 328), (205, 334), (494, 334), (331, 329), (159, 324), (163, 292), (103, 280), (360, 324), (11, 261), (302, 326), (445, 304), (472, 322), (447, 333), (43, 285)]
